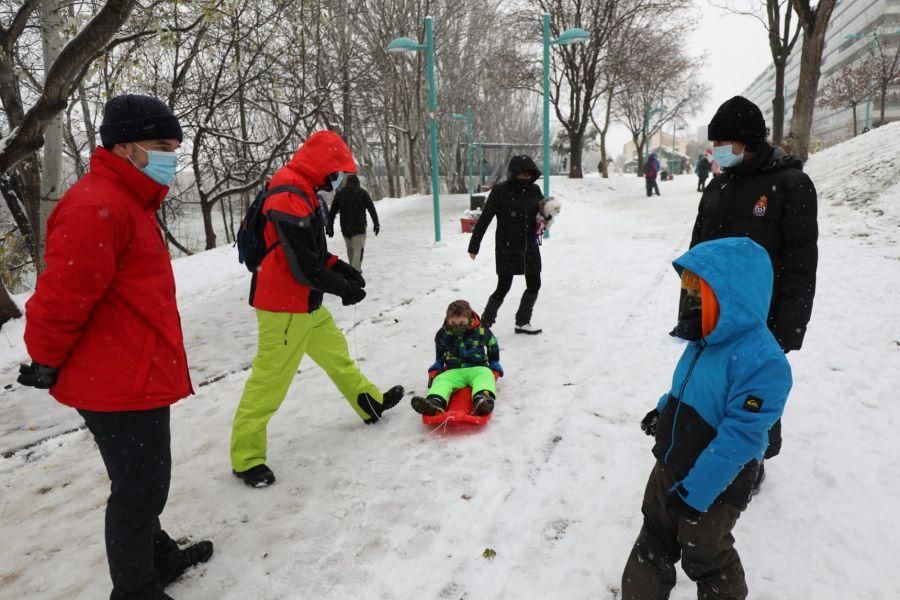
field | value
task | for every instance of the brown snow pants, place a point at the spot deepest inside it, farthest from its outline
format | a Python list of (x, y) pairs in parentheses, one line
[(705, 547)]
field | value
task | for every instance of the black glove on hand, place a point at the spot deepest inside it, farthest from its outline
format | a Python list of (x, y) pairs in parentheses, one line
[(353, 295), (377, 228), (648, 424), (349, 273), (677, 504), (329, 231), (37, 376)]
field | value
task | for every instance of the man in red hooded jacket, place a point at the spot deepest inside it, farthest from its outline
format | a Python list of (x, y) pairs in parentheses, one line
[(287, 292), (104, 335)]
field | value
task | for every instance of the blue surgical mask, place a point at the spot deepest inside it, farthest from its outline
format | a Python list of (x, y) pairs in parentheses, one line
[(161, 166), (725, 157), (338, 180)]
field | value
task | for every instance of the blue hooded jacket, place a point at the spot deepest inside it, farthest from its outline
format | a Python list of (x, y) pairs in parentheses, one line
[(728, 388)]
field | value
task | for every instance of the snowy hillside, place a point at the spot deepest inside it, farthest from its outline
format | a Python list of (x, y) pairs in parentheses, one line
[(554, 483)]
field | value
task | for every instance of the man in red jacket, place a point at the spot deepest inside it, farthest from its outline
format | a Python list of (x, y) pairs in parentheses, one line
[(104, 335), (287, 292)]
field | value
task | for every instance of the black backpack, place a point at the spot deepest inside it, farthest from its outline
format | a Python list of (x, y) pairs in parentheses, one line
[(251, 240)]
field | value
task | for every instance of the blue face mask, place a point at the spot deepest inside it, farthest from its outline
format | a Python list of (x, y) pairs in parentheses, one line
[(725, 157), (161, 166), (338, 180)]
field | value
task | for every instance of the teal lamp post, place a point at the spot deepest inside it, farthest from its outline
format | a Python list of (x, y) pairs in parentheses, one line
[(405, 44), (575, 35), (468, 119)]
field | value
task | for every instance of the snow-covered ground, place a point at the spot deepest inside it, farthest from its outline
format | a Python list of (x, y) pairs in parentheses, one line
[(553, 484)]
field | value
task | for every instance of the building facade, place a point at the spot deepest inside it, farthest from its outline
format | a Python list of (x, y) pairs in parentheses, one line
[(857, 18)]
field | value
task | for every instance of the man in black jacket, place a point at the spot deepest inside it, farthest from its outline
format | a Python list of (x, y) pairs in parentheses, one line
[(764, 194), (352, 201), (516, 203)]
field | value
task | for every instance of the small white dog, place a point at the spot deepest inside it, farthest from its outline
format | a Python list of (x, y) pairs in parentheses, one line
[(547, 215)]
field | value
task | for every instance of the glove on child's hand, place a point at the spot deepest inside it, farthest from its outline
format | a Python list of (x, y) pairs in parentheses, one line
[(349, 273), (496, 366), (352, 295), (37, 375), (648, 424)]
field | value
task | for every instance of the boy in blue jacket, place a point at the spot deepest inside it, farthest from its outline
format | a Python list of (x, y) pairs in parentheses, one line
[(711, 428), (467, 354)]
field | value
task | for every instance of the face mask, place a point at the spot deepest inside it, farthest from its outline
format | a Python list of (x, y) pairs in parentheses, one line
[(338, 180), (161, 166), (725, 157), (698, 308), (457, 329)]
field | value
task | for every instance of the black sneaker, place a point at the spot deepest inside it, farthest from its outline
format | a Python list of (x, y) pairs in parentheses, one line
[(429, 406), (390, 399), (257, 477), (760, 476), (171, 566), (482, 404)]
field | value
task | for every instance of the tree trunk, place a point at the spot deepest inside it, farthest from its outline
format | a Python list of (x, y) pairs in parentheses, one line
[(8, 308), (206, 209), (854, 120), (778, 105), (388, 162), (51, 176), (576, 147), (815, 25), (604, 162), (884, 93), (411, 171)]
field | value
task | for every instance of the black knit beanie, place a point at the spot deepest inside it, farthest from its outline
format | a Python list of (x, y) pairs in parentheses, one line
[(134, 118), (738, 120)]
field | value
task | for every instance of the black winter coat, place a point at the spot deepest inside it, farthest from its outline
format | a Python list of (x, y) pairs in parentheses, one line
[(352, 202), (769, 199), (515, 203)]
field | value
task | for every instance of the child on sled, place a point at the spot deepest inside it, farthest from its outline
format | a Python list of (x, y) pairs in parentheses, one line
[(467, 356)]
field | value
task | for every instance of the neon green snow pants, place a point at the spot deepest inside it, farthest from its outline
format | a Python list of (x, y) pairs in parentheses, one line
[(283, 340), (480, 379)]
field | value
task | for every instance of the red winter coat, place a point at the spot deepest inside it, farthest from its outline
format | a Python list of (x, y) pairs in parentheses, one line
[(293, 277), (104, 308)]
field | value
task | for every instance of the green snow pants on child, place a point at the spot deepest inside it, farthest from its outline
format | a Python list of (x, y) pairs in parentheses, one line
[(480, 379), (283, 340)]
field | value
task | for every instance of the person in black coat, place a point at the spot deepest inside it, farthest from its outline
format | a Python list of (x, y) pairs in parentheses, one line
[(515, 203), (352, 202), (764, 194), (703, 168)]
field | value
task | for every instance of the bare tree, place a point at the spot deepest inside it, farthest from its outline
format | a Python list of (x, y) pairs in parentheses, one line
[(848, 88), (885, 68), (777, 17), (814, 22)]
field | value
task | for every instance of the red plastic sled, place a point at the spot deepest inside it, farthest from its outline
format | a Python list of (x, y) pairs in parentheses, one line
[(459, 410)]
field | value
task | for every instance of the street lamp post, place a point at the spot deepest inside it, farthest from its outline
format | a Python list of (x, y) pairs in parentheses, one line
[(575, 35), (468, 119), (405, 44)]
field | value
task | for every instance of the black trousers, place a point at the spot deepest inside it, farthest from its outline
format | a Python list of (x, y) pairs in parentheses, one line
[(705, 548), (652, 186), (526, 305), (701, 184), (136, 450)]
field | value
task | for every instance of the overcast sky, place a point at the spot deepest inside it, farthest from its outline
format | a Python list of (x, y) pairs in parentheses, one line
[(733, 49)]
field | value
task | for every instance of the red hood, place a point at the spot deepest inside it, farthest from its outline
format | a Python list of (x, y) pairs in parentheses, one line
[(143, 190), (323, 153)]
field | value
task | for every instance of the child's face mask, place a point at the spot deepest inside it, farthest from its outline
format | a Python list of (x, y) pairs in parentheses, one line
[(457, 328), (698, 309)]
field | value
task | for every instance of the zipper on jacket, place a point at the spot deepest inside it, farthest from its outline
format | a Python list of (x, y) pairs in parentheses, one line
[(687, 378)]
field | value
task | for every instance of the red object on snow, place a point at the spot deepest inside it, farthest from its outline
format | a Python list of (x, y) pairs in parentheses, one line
[(467, 224), (459, 410)]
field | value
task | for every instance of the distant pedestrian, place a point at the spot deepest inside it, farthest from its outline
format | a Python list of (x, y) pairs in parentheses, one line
[(352, 201), (651, 170), (702, 168)]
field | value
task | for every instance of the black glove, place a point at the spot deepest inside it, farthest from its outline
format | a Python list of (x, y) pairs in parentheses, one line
[(377, 228), (352, 295), (329, 231), (37, 375), (648, 424), (677, 504), (349, 273)]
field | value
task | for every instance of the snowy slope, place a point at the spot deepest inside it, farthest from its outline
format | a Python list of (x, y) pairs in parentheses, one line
[(553, 484)]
